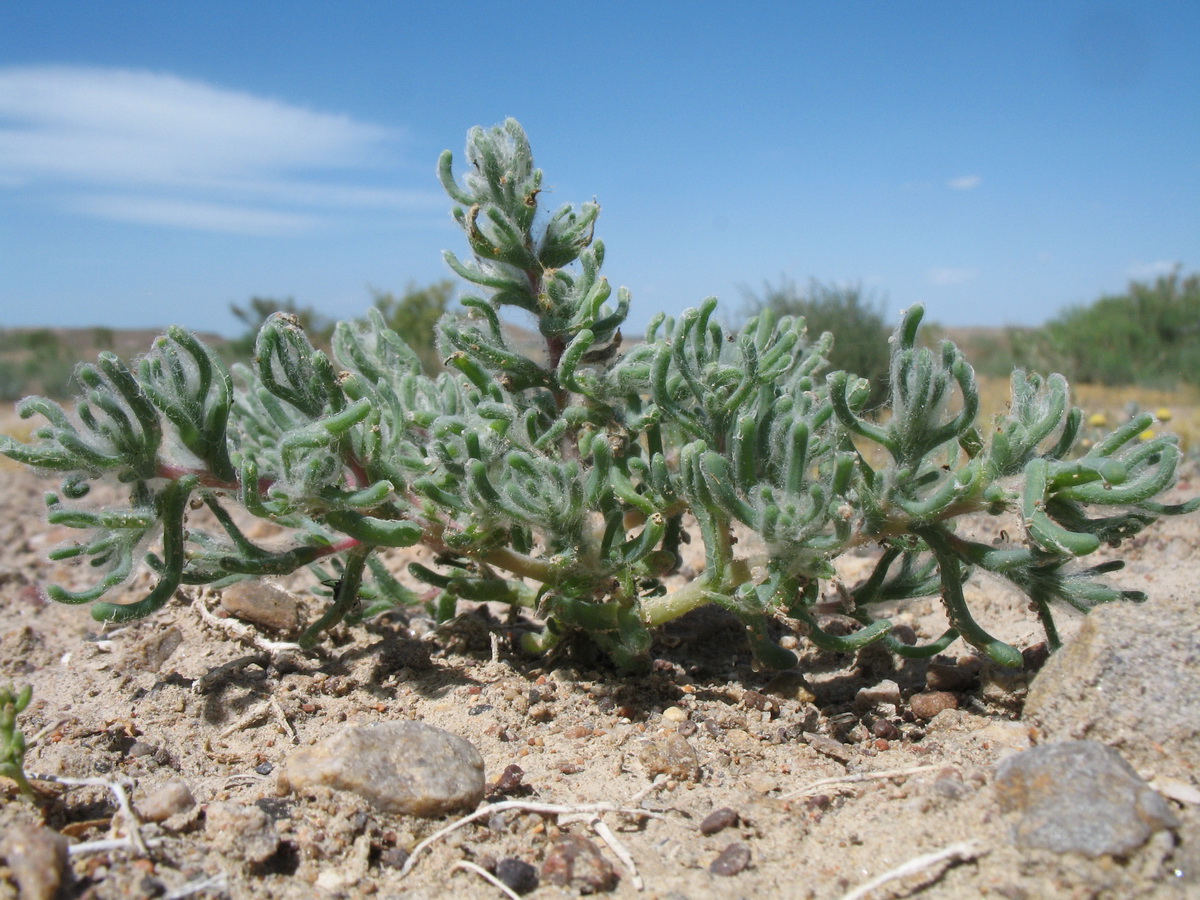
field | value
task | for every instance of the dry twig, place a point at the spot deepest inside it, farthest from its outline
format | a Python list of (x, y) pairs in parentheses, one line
[(241, 631), (606, 835), (859, 777), (118, 790), (545, 809), (960, 852)]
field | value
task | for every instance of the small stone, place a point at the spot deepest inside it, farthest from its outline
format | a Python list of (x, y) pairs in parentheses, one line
[(243, 831), (1080, 797), (393, 858), (886, 693), (732, 860), (718, 820), (885, 730), (755, 700), (262, 604), (406, 768), (674, 714), (829, 747), (930, 703), (507, 782), (37, 859), (671, 755), (575, 861), (519, 876), (169, 799)]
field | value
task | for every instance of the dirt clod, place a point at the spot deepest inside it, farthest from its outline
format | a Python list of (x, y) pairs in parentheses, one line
[(169, 799), (37, 858)]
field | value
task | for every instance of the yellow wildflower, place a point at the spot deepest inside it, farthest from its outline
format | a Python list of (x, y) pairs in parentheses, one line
[(1097, 420)]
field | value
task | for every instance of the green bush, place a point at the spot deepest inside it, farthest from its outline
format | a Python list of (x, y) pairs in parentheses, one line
[(1148, 336)]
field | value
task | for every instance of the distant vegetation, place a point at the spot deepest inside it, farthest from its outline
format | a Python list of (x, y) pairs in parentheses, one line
[(1148, 336)]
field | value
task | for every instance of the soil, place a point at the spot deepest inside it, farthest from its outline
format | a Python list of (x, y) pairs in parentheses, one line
[(188, 694)]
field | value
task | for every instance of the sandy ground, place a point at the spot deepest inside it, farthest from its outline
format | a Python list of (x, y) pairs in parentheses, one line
[(182, 695)]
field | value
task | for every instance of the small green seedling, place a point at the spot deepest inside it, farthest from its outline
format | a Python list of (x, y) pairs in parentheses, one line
[(12, 741), (564, 479)]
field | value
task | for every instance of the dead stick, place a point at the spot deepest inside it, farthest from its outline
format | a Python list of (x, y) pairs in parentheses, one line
[(961, 852)]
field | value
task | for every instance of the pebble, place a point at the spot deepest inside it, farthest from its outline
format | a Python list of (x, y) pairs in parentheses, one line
[(406, 768), (169, 799), (518, 875), (576, 862), (1080, 797), (674, 714), (829, 747), (930, 703), (262, 604), (886, 693), (718, 820), (37, 859), (243, 831), (1129, 678), (761, 702), (732, 860), (670, 755)]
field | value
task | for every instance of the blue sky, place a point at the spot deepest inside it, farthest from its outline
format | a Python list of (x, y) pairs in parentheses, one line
[(160, 161)]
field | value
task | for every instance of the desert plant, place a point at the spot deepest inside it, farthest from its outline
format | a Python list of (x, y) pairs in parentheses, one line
[(12, 740), (414, 316), (566, 484), (848, 311)]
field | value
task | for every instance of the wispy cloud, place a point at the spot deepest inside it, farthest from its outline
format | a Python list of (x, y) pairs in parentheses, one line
[(155, 148), (948, 276), (965, 182), (1143, 271)]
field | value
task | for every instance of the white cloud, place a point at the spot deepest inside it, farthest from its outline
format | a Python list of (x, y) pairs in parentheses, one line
[(1144, 271), (194, 214), (965, 182), (949, 276), (154, 147)]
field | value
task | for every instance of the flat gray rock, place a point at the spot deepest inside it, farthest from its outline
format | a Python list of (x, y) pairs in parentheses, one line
[(1079, 797), (407, 768), (1129, 678)]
